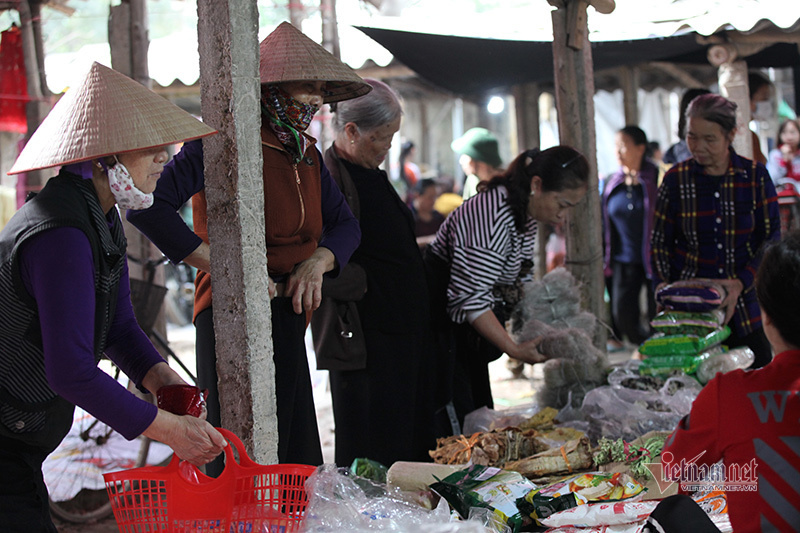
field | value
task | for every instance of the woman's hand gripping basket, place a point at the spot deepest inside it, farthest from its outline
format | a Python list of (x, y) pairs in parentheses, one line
[(246, 498)]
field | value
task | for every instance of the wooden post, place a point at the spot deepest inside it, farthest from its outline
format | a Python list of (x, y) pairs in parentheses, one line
[(574, 88), (330, 41), (128, 41), (732, 75), (36, 109), (526, 109), (296, 13), (140, 42), (230, 88), (38, 43), (526, 112), (629, 80)]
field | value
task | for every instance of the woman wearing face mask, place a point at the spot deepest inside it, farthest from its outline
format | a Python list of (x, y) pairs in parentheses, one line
[(381, 400), (64, 289), (483, 253), (760, 109), (629, 199), (310, 231)]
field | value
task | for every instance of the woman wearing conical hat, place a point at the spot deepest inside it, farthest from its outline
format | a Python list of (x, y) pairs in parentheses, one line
[(64, 292), (310, 231)]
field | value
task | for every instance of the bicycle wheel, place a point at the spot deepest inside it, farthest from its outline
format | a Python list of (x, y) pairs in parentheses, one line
[(74, 471)]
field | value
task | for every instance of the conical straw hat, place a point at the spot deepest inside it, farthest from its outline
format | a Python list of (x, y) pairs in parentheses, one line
[(288, 55), (106, 113)]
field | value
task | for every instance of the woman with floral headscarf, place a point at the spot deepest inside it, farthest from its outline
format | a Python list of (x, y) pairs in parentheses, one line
[(310, 231)]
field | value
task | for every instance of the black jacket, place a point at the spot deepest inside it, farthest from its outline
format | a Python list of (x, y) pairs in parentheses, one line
[(336, 325)]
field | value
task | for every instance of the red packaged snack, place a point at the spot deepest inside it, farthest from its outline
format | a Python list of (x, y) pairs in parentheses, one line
[(181, 399)]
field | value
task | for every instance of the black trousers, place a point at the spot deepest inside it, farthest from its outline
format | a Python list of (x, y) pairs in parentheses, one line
[(298, 435), (24, 507), (385, 411), (627, 281)]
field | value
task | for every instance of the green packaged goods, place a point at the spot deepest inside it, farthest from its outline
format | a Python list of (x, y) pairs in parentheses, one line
[(660, 344), (489, 488), (663, 365), (367, 468)]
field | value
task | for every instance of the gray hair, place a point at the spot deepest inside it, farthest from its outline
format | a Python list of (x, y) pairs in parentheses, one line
[(378, 107), (714, 108)]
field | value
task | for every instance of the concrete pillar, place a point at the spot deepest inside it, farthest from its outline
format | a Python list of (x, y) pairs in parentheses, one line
[(229, 81), (574, 88)]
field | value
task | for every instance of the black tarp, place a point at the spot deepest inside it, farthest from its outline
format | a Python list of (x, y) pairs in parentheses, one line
[(467, 65)]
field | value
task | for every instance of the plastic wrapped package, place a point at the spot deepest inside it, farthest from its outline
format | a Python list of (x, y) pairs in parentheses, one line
[(490, 488), (339, 502), (681, 344), (687, 322), (692, 295), (665, 365), (602, 514), (734, 359), (579, 490), (637, 527)]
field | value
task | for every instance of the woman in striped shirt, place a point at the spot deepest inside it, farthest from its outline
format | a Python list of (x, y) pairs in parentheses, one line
[(481, 255)]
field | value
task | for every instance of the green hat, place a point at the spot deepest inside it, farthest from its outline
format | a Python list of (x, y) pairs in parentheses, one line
[(480, 144)]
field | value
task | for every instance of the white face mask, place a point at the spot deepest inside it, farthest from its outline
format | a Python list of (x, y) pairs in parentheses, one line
[(763, 110), (125, 192)]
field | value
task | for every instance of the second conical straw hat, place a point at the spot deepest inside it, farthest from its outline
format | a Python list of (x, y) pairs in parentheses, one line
[(288, 55), (106, 113)]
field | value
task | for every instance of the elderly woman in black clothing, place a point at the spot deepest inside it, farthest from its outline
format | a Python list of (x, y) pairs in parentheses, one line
[(378, 371)]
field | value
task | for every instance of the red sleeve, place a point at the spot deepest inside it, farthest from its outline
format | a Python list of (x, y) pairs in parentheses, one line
[(697, 435)]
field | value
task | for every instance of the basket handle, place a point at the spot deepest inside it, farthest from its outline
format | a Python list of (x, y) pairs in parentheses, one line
[(191, 474), (232, 438)]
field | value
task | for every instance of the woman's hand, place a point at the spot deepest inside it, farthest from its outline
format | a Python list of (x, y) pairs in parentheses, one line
[(305, 283), (734, 288), (787, 152), (192, 439), (528, 352), (492, 330), (660, 286)]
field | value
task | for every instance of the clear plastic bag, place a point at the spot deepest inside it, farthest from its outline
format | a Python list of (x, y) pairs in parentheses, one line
[(339, 501), (626, 409), (486, 419), (734, 359)]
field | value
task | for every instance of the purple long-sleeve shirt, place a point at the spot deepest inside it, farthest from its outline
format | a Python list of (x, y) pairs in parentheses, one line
[(183, 177), (57, 270)]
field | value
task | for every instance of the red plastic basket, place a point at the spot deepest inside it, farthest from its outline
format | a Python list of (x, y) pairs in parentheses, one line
[(246, 498)]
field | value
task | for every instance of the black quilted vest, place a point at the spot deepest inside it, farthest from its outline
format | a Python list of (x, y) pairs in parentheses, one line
[(29, 409)]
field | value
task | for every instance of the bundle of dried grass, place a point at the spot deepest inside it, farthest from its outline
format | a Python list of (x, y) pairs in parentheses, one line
[(573, 456), (576, 367), (554, 301), (492, 448)]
